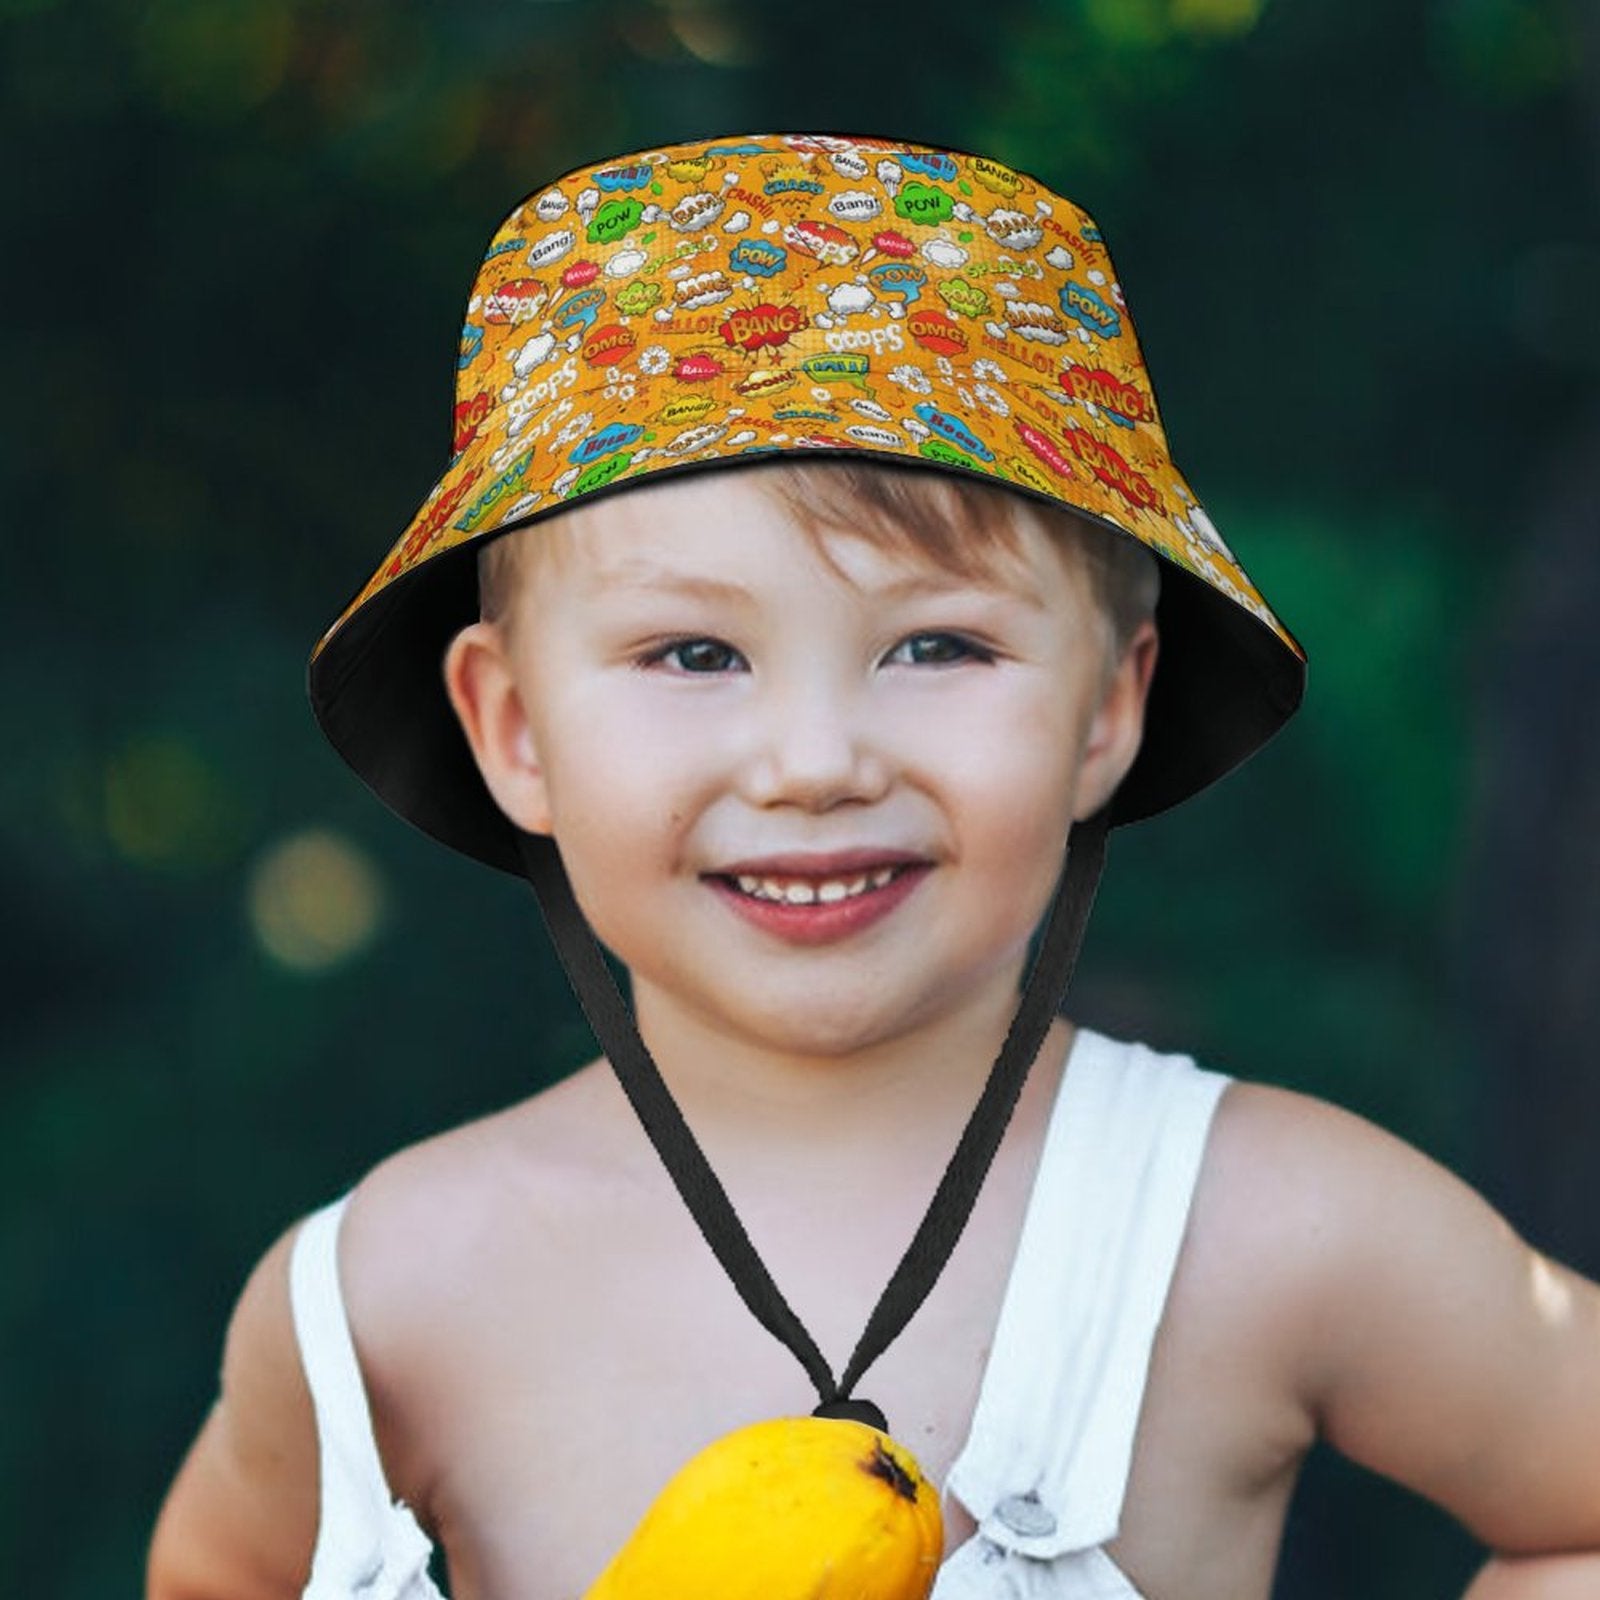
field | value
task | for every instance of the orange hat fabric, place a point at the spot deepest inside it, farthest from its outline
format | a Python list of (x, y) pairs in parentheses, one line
[(720, 301)]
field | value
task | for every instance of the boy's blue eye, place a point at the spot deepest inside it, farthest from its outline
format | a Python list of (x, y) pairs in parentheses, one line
[(700, 656), (937, 650)]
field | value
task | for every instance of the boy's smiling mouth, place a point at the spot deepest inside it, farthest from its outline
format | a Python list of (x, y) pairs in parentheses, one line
[(811, 891), (813, 899)]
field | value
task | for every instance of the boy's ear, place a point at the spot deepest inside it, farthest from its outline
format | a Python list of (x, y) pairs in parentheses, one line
[(489, 705), (1117, 729)]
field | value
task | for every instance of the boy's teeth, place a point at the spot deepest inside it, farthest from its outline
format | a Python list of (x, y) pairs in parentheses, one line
[(811, 891)]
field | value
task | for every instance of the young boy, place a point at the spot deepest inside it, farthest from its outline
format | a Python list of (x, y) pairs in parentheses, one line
[(812, 728)]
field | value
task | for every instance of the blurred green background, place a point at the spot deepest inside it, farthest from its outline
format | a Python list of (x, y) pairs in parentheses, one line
[(1362, 243)]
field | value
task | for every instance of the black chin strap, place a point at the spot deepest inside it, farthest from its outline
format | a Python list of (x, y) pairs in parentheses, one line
[(704, 1195)]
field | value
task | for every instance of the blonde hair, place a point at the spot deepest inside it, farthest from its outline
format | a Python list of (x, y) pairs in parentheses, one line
[(911, 510)]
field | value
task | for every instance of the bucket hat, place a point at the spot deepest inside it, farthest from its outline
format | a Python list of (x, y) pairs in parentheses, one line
[(715, 302), (722, 301)]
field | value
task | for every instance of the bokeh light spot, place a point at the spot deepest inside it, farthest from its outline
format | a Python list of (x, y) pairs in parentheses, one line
[(315, 899), (1216, 18), (165, 805)]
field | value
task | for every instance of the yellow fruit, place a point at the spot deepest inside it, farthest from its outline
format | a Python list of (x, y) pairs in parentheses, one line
[(797, 1508)]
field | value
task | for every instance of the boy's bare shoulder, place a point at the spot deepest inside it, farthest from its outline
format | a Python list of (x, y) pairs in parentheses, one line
[(435, 1201), (1418, 1332), (482, 1211)]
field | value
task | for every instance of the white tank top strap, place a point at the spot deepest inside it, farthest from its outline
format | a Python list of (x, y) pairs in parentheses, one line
[(368, 1545), (1046, 1464)]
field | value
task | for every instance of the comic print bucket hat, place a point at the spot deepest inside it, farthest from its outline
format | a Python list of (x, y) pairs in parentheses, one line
[(724, 301), (715, 302)]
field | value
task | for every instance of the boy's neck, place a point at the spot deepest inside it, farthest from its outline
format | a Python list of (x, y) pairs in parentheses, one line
[(902, 1100)]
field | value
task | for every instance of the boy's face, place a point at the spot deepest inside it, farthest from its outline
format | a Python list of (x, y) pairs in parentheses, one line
[(736, 737)]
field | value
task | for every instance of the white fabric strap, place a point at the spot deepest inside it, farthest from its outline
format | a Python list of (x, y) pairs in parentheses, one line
[(1059, 1406), (367, 1544)]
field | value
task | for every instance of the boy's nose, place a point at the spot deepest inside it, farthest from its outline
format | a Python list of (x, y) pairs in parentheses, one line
[(815, 751)]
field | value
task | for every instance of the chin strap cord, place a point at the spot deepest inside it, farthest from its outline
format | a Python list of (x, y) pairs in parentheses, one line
[(702, 1192)]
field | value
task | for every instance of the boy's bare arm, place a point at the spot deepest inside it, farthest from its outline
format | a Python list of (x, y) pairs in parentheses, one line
[(1434, 1345), (240, 1520)]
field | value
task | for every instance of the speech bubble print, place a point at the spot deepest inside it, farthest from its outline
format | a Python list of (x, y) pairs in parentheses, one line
[(737, 223), (602, 472), (911, 378), (945, 254), (934, 163), (587, 201), (685, 408), (1035, 322), (468, 418), (965, 299), (1094, 386), (992, 400), (579, 274), (698, 367), (898, 280), (580, 308), (954, 431), (1026, 473), (689, 169), (654, 359), (891, 175), (535, 352), (881, 438), (634, 299), (938, 450), (988, 371), (933, 330), (925, 204), (471, 344), (850, 299), (849, 164), (1012, 230), (1045, 448), (696, 211), (889, 243), (871, 408), (481, 509), (624, 263), (1207, 529), (822, 240), (703, 289), (551, 247), (1059, 257), (995, 177), (551, 206), (611, 438), (762, 383), (759, 257), (743, 437), (839, 367), (855, 205), (573, 430), (614, 220), (1084, 306), (1096, 277), (634, 176), (519, 507), (693, 439), (763, 326)]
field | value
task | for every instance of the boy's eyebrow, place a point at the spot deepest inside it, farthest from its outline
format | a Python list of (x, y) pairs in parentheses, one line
[(634, 572)]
